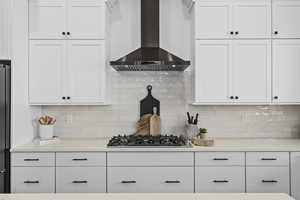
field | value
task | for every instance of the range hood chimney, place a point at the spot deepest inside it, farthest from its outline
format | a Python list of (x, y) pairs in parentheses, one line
[(150, 57)]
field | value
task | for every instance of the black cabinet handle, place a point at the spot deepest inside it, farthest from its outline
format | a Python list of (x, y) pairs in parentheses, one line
[(269, 181), (80, 182), (63, 33), (231, 32), (68, 98), (128, 181), (31, 182), (172, 181), (220, 181), (276, 97), (275, 32), (269, 159), (31, 159), (63, 98), (236, 97), (68, 33), (231, 97), (220, 159), (79, 159), (236, 32)]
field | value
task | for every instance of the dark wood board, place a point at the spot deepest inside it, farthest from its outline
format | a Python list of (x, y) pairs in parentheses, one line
[(148, 103)]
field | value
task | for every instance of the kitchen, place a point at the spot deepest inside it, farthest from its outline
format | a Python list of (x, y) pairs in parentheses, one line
[(250, 114)]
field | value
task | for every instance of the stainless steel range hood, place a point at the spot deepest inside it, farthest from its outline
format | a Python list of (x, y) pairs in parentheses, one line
[(150, 57)]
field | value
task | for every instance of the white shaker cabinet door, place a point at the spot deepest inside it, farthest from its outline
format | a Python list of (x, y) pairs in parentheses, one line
[(252, 18), (213, 19), (86, 68), (47, 19), (286, 15), (46, 66), (286, 70), (295, 175), (212, 78), (252, 71), (86, 19)]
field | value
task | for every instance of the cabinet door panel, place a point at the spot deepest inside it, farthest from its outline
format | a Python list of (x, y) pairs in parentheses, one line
[(220, 179), (286, 15), (286, 70), (252, 18), (213, 19), (86, 66), (252, 71), (295, 175), (212, 71), (86, 19), (46, 64), (47, 19)]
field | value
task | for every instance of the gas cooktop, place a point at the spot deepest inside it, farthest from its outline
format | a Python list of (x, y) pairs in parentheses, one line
[(148, 141)]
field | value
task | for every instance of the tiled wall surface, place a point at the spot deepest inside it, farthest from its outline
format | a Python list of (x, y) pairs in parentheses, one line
[(174, 90)]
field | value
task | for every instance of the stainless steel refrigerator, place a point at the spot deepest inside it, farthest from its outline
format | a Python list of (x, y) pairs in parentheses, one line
[(5, 105)]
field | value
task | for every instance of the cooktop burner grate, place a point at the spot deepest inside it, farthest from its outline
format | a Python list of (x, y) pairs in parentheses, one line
[(140, 141)]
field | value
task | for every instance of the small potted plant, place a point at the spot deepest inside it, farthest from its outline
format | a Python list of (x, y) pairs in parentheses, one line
[(202, 133)]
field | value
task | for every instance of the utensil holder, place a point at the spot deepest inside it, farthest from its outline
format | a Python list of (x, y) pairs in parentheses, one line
[(46, 131), (191, 130)]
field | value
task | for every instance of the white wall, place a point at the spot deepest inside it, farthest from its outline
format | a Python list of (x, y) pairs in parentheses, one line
[(22, 114), (5, 29)]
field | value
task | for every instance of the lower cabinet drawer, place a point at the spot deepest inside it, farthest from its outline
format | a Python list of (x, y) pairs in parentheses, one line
[(220, 179), (33, 180), (268, 179), (150, 179), (80, 179)]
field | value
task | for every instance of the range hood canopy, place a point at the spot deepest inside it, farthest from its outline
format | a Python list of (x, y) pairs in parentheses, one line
[(150, 57)]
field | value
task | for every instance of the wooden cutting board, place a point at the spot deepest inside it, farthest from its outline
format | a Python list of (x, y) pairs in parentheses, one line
[(155, 123)]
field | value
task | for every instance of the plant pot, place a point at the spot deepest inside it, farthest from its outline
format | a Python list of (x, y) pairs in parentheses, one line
[(46, 132)]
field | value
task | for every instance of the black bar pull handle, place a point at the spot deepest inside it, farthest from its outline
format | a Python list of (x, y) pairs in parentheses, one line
[(172, 181), (220, 181), (220, 159), (128, 181), (269, 181), (269, 159), (79, 159), (31, 182), (79, 182), (31, 159)]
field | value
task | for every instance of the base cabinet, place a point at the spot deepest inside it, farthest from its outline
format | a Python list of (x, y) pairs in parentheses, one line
[(295, 175), (150, 179), (33, 180), (80, 179)]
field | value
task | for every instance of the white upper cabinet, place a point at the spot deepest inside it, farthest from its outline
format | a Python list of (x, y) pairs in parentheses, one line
[(86, 70), (286, 70), (47, 19), (86, 19), (252, 71), (252, 18), (46, 65), (233, 19), (212, 82), (213, 19), (286, 15), (67, 19)]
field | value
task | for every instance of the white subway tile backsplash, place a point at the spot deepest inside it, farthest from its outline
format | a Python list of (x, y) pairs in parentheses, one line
[(174, 90)]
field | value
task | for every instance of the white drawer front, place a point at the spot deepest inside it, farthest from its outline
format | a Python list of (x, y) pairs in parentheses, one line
[(150, 179), (81, 179), (268, 179), (33, 180), (219, 158), (81, 159), (267, 158), (33, 159), (150, 159), (220, 179)]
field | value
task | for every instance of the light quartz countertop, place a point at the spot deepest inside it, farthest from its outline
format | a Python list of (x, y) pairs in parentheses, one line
[(98, 144), (212, 196)]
